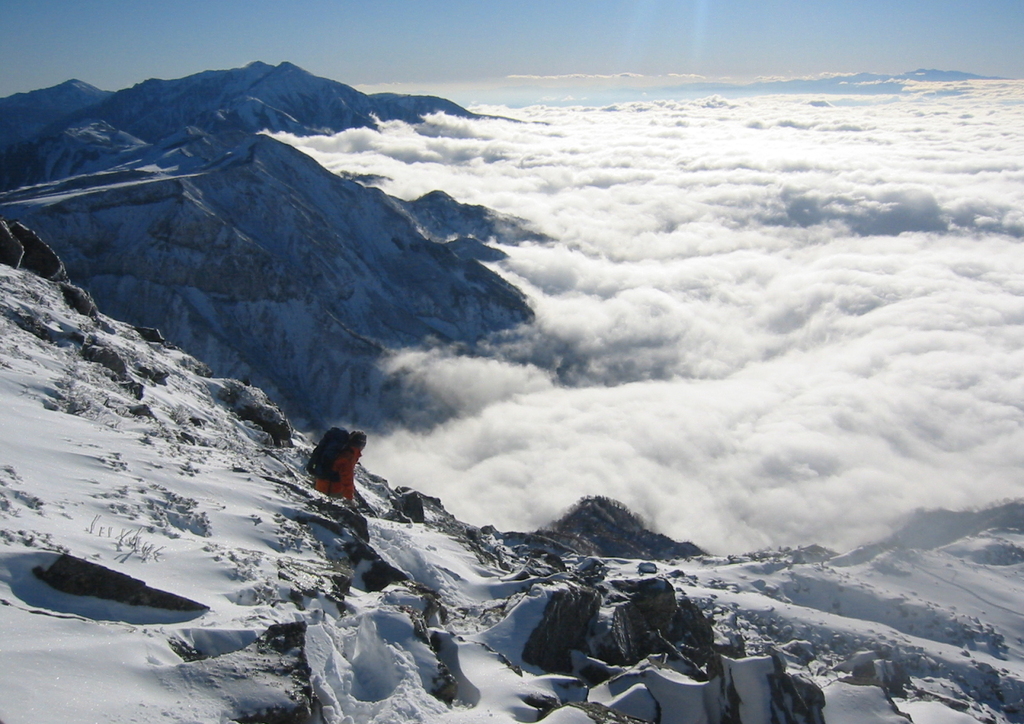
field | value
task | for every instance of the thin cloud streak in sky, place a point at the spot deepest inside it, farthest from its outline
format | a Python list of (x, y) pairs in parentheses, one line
[(773, 321)]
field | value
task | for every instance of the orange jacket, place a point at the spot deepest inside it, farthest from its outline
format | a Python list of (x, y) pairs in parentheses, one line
[(345, 467)]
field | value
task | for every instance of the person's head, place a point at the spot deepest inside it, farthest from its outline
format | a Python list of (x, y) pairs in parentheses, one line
[(357, 439)]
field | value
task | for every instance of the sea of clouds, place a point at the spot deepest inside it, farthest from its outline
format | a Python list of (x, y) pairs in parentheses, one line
[(770, 321)]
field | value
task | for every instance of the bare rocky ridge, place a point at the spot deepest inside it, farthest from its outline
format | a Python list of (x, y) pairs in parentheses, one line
[(601, 526)]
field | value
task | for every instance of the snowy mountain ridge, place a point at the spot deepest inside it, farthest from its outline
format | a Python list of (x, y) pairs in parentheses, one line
[(175, 211), (24, 115), (129, 473)]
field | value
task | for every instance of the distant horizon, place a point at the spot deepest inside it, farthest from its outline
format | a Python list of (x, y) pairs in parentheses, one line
[(586, 89), (455, 47)]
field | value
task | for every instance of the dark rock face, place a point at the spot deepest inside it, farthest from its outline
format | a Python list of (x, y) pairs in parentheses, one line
[(39, 257), (795, 700), (693, 632), (375, 573), (21, 247), (600, 526), (11, 250), (410, 504), (652, 621), (563, 628), (643, 625), (151, 334), (79, 300), (106, 357), (442, 218), (82, 578)]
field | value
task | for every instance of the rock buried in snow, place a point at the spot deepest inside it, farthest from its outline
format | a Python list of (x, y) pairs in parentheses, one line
[(601, 714), (82, 578), (268, 681)]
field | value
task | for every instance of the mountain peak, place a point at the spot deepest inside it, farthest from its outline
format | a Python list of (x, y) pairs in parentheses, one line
[(597, 525), (256, 97)]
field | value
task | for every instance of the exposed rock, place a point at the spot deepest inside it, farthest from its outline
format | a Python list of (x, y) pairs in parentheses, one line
[(794, 700), (375, 573), (348, 541), (599, 526), (641, 626), (410, 504), (591, 570), (82, 578), (766, 685), (467, 248), (39, 257), (107, 357), (467, 227), (693, 632), (142, 410), (134, 388), (11, 250), (79, 300), (310, 579), (340, 519), (157, 376), (253, 405), (563, 628), (151, 334), (601, 714)]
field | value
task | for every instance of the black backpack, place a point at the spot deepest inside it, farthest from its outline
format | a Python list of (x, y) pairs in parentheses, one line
[(326, 452)]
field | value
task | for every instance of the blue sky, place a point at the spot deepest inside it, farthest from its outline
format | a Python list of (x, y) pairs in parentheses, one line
[(459, 45)]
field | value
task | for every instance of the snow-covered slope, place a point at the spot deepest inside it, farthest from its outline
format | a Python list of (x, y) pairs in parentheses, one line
[(253, 598), (247, 252), (23, 115), (251, 99)]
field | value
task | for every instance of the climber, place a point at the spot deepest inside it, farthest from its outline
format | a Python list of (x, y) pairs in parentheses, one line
[(336, 475)]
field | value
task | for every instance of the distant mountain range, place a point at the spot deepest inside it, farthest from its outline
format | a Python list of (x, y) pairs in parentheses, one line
[(175, 211), (610, 91)]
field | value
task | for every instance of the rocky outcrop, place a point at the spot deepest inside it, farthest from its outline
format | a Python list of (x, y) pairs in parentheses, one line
[(22, 247), (650, 621), (563, 628), (344, 537), (79, 577), (11, 250), (252, 405), (599, 526), (444, 219)]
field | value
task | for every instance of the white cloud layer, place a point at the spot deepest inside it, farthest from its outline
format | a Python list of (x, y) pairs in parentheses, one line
[(772, 321)]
